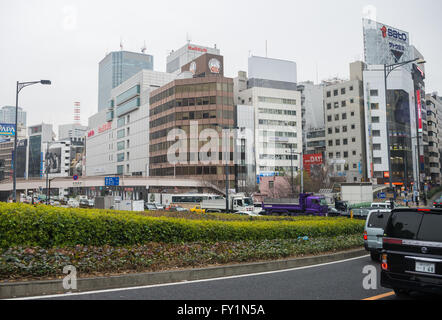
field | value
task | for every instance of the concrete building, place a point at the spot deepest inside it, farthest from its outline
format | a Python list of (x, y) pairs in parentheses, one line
[(38, 135), (199, 107), (345, 126), (315, 141), (116, 68), (189, 52), (117, 142), (7, 115), (278, 116), (68, 131), (400, 122), (434, 123), (6, 152)]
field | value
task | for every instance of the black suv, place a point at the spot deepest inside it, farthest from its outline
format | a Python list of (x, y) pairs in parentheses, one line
[(412, 251)]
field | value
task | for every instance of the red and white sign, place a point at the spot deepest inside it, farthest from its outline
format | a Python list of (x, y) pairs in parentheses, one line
[(419, 110), (105, 127), (197, 49), (90, 133), (312, 159)]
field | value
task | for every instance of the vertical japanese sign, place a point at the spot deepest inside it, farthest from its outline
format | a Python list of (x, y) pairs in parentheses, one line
[(419, 110)]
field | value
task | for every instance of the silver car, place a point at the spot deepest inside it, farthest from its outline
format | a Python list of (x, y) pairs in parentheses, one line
[(374, 231)]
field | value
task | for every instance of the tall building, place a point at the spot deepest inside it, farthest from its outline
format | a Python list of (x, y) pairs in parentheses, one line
[(116, 68), (38, 136), (197, 107), (6, 155), (189, 52), (117, 142), (345, 126), (272, 90), (7, 115), (396, 129), (434, 123)]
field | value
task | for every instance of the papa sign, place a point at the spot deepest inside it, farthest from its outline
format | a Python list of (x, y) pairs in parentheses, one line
[(7, 129)]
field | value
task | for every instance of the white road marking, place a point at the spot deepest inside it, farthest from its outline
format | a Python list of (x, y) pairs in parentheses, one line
[(185, 283)]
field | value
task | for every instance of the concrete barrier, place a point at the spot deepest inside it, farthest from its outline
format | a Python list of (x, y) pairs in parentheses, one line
[(49, 287)]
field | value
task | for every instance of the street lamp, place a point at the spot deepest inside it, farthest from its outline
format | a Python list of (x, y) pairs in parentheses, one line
[(388, 69), (20, 86), (301, 154)]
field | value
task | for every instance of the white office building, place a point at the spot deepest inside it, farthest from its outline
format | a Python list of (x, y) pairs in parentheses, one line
[(186, 54), (117, 142), (401, 125), (7, 115), (69, 131), (278, 116)]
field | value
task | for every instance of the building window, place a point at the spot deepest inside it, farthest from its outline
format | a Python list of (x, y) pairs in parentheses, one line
[(354, 152), (330, 143), (353, 139), (352, 114), (345, 142), (343, 91), (337, 130), (344, 116), (344, 129), (328, 94), (345, 154), (338, 142), (375, 119), (344, 103), (336, 105), (376, 133), (376, 146), (352, 100), (330, 155), (353, 126), (329, 118), (374, 106), (336, 117), (377, 160), (335, 92), (330, 131), (329, 106), (374, 93), (351, 88)]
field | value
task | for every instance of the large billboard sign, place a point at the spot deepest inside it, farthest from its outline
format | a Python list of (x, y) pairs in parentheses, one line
[(53, 160), (384, 44), (7, 129), (312, 162)]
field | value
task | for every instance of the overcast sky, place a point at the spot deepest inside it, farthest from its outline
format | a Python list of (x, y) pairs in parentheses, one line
[(64, 41)]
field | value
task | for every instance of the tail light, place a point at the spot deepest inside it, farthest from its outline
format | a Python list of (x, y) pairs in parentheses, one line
[(384, 263), (365, 235), (392, 241)]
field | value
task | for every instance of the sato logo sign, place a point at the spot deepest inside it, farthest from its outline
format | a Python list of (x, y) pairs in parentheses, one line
[(7, 129), (394, 34)]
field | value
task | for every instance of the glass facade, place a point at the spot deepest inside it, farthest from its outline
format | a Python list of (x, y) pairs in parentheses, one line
[(34, 156), (398, 115), (116, 68)]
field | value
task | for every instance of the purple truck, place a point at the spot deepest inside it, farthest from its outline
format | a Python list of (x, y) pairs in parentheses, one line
[(308, 205)]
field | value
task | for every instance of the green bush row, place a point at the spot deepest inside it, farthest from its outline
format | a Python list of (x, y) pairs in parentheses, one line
[(44, 226)]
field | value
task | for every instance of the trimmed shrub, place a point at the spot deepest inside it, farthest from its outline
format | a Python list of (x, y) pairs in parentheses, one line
[(44, 226)]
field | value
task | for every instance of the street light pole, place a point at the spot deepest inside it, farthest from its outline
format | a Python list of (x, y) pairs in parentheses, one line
[(19, 87)]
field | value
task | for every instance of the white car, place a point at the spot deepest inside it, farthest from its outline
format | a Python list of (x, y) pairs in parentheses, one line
[(72, 203), (248, 213)]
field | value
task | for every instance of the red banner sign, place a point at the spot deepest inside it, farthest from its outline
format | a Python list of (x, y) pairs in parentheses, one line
[(312, 159), (419, 110)]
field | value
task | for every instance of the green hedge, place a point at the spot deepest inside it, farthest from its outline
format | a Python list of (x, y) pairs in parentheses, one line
[(44, 226)]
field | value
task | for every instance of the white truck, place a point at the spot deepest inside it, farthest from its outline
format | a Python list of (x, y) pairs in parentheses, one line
[(237, 203)]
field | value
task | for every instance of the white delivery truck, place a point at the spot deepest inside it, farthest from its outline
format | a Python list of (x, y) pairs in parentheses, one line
[(237, 203)]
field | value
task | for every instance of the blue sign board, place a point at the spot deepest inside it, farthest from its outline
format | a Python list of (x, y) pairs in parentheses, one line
[(382, 195), (7, 129), (111, 181)]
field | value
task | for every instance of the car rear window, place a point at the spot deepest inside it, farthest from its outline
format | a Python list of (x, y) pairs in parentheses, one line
[(431, 228), (404, 225), (378, 219)]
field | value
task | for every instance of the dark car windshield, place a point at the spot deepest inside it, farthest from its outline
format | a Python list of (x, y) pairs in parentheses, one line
[(424, 226), (378, 219), (431, 228)]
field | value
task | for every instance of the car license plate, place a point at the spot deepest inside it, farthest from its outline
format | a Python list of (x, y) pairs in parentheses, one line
[(425, 267)]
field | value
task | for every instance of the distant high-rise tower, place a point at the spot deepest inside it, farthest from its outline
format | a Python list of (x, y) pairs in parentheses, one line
[(116, 68), (77, 115), (7, 115)]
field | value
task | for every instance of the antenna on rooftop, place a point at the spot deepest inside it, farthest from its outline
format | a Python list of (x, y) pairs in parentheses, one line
[(143, 49), (121, 43)]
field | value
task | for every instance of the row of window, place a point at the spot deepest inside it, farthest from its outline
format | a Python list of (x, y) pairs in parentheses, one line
[(338, 142), (277, 123), (277, 100), (336, 91), (193, 88), (336, 105), (190, 171), (277, 111), (337, 117), (338, 129), (190, 102), (338, 154)]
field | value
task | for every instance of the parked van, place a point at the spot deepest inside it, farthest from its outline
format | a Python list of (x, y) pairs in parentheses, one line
[(381, 205), (374, 231)]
